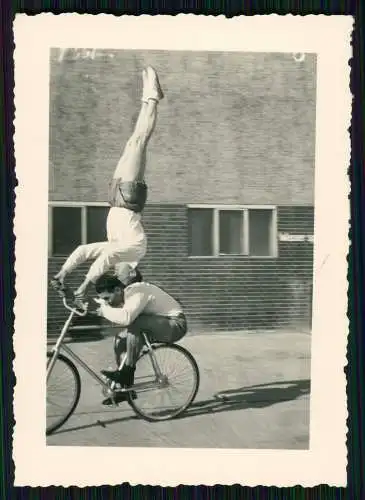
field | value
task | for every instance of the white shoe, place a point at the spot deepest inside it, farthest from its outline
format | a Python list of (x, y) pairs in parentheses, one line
[(151, 85), (144, 78)]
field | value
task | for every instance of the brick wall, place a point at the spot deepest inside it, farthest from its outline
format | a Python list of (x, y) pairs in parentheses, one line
[(227, 292), (233, 128)]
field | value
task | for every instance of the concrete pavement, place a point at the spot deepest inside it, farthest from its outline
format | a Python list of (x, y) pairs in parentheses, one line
[(254, 393)]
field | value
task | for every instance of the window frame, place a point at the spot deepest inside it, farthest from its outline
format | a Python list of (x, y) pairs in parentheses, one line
[(215, 230), (83, 205), (273, 238)]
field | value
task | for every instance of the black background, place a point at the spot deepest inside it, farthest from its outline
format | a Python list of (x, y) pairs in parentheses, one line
[(356, 273)]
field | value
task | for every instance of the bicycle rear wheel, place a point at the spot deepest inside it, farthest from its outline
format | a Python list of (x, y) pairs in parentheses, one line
[(63, 392), (166, 398)]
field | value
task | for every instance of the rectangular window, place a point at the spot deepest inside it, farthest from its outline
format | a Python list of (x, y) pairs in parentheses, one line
[(96, 224), (72, 224), (231, 232), (225, 230), (200, 232), (66, 229), (260, 223)]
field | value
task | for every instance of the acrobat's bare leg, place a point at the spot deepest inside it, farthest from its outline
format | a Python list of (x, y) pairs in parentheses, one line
[(132, 164)]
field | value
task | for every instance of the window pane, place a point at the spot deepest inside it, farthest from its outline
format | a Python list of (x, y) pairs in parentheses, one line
[(200, 231), (231, 232), (260, 228), (96, 223), (66, 229)]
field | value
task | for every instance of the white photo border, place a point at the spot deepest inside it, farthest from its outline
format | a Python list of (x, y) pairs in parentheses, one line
[(325, 462)]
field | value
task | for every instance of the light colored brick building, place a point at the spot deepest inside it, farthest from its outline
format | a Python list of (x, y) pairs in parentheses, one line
[(230, 211)]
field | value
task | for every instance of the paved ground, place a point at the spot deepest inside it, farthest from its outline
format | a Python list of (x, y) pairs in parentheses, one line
[(264, 379)]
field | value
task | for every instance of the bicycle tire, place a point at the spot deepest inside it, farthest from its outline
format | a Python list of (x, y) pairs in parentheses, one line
[(134, 402), (75, 373)]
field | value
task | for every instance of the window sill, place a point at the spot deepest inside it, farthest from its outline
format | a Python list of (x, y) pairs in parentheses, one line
[(235, 256)]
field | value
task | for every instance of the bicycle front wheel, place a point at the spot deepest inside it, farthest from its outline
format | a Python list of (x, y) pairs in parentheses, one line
[(168, 397), (63, 392)]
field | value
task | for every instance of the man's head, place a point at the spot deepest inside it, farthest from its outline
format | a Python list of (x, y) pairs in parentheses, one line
[(110, 289)]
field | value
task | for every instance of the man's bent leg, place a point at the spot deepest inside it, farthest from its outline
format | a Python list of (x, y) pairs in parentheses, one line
[(161, 329), (120, 348), (134, 344), (134, 341), (125, 375)]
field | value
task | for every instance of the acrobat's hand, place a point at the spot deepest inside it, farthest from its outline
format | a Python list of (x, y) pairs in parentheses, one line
[(58, 285)]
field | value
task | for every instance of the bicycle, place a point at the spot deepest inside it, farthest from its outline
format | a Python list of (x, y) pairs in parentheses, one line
[(153, 376)]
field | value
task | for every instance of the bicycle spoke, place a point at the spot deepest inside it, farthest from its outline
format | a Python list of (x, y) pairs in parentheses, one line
[(180, 375), (54, 404)]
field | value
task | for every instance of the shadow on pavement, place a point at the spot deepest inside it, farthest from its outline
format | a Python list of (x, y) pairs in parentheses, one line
[(97, 423), (255, 396)]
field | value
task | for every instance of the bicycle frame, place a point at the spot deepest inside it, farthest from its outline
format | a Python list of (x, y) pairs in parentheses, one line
[(61, 346), (108, 387)]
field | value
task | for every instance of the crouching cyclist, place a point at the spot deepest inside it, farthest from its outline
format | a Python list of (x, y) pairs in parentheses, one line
[(138, 307)]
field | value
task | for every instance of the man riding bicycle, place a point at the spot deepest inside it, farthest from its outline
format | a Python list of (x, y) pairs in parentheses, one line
[(138, 307)]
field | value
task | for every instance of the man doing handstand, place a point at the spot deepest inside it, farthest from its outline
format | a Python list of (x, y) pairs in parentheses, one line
[(127, 242)]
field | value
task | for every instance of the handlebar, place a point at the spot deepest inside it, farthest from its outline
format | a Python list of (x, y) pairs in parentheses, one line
[(67, 295), (79, 312)]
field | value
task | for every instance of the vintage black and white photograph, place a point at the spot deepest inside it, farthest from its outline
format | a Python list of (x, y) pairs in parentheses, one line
[(179, 271), (182, 199)]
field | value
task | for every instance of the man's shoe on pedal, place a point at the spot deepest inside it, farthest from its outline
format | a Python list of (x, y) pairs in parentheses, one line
[(124, 377)]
